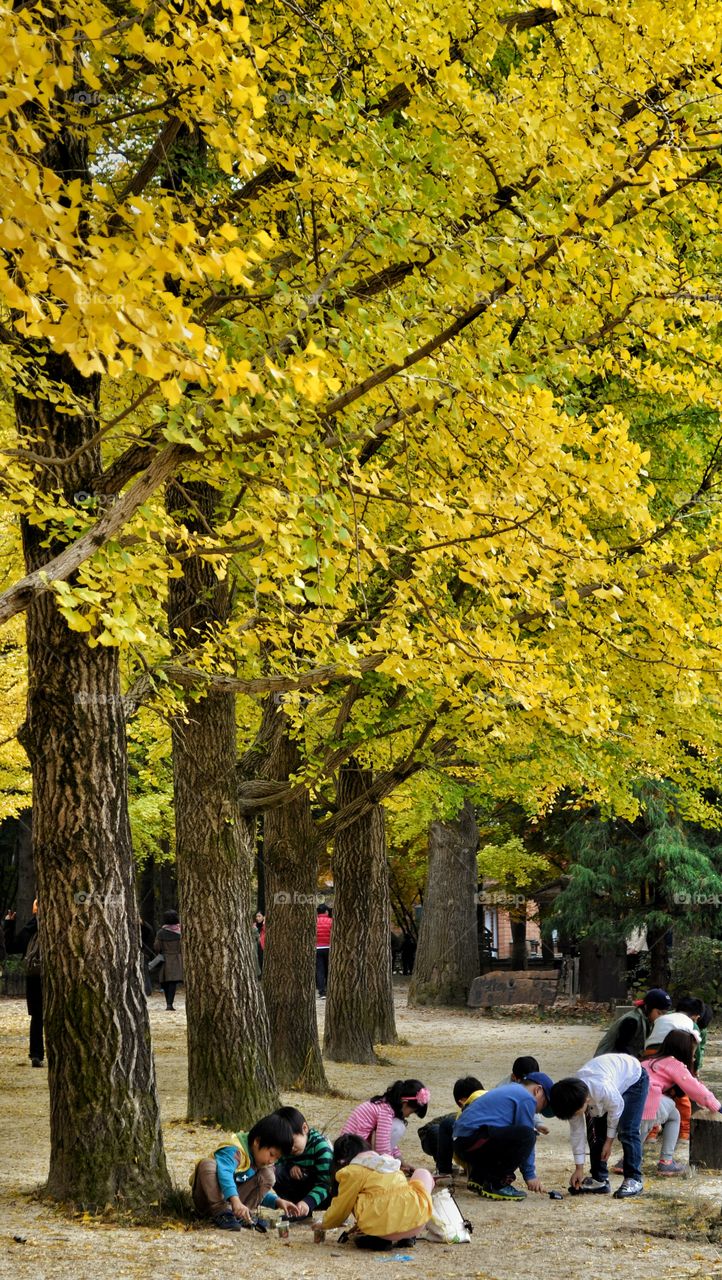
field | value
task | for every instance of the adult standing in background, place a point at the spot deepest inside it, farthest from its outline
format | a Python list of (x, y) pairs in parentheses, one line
[(324, 925), (168, 945), (27, 944)]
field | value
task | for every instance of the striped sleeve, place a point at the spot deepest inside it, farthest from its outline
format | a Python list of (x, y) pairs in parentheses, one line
[(317, 1160)]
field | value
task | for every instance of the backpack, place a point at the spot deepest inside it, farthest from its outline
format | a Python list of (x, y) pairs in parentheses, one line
[(447, 1224), (33, 967)]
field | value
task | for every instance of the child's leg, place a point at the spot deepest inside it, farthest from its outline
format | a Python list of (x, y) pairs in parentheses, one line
[(684, 1107), (424, 1177), (597, 1136), (429, 1139), (630, 1125), (293, 1189), (251, 1192), (503, 1152), (669, 1118), (206, 1192), (445, 1152)]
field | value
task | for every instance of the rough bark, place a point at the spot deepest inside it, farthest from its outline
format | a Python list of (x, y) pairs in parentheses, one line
[(447, 955), (360, 1004), (230, 1079), (105, 1138), (289, 961)]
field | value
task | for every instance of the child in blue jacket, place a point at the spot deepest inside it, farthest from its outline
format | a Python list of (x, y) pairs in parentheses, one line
[(495, 1135), (240, 1174)]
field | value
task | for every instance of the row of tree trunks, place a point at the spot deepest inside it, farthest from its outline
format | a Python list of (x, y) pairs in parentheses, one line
[(447, 957), (230, 1079), (360, 1006)]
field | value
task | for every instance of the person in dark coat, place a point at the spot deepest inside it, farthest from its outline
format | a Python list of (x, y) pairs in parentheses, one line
[(168, 945), (27, 944)]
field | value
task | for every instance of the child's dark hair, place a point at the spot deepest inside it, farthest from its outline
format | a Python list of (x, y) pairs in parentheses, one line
[(403, 1091), (681, 1045), (521, 1067), (295, 1118), (345, 1149), (272, 1131), (691, 1005), (705, 1018), (464, 1088), (171, 917), (567, 1096)]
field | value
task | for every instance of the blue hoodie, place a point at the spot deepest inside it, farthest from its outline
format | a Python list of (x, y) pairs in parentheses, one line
[(506, 1105)]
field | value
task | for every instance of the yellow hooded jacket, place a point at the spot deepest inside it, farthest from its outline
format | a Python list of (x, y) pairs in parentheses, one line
[(379, 1196)]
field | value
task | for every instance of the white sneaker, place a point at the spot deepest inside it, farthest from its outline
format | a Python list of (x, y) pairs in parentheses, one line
[(630, 1187), (591, 1186)]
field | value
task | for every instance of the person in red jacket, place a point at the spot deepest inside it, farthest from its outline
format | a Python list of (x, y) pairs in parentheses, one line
[(324, 925)]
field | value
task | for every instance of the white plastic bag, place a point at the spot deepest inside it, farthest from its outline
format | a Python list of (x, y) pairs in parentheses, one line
[(447, 1224)]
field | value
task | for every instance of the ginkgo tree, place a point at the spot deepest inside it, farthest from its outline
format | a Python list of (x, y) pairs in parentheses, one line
[(400, 242)]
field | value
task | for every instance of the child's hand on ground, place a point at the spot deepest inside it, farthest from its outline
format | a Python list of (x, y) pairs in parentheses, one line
[(239, 1209), (542, 1128), (296, 1171), (292, 1210), (577, 1177), (534, 1184)]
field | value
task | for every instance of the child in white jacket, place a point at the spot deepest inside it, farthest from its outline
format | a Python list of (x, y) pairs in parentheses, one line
[(603, 1100)]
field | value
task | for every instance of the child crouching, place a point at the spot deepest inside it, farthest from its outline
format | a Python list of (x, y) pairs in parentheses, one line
[(240, 1173), (389, 1208)]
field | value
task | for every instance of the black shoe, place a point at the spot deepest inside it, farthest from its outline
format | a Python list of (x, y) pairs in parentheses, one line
[(36, 1062), (227, 1221), (376, 1244)]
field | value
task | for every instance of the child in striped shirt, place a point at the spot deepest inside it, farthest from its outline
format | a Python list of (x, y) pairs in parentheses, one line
[(382, 1120), (303, 1179)]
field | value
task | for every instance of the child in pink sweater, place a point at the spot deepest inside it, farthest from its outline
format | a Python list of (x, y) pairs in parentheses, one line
[(382, 1120), (671, 1070)]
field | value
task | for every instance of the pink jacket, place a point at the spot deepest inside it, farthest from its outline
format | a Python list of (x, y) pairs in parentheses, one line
[(663, 1073)]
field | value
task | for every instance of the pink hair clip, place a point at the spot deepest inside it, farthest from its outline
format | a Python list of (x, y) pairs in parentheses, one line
[(422, 1097)]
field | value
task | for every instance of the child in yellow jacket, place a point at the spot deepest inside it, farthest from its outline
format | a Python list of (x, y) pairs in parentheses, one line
[(388, 1208)]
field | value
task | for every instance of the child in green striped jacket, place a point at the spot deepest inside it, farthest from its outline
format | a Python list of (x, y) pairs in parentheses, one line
[(304, 1177)]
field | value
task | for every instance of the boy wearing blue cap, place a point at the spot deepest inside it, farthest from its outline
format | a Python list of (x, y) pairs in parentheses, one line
[(495, 1135)]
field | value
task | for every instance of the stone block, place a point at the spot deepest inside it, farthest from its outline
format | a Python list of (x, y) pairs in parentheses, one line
[(513, 987), (705, 1140)]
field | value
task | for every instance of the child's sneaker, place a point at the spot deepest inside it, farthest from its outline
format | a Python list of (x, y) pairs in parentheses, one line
[(672, 1169), (618, 1167), (227, 1221), (490, 1192), (591, 1187), (630, 1187)]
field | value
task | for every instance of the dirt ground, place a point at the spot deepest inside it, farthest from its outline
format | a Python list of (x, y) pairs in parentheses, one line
[(571, 1239)]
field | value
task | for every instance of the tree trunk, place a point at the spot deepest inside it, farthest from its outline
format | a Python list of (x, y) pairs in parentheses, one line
[(447, 956), (230, 1080), (659, 969), (518, 942), (105, 1137), (289, 960), (360, 1005)]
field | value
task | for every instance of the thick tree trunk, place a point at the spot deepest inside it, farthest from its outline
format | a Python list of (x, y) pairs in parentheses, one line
[(360, 1004), (519, 958), (289, 960), (659, 969), (447, 957), (104, 1119), (105, 1138), (230, 1080)]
